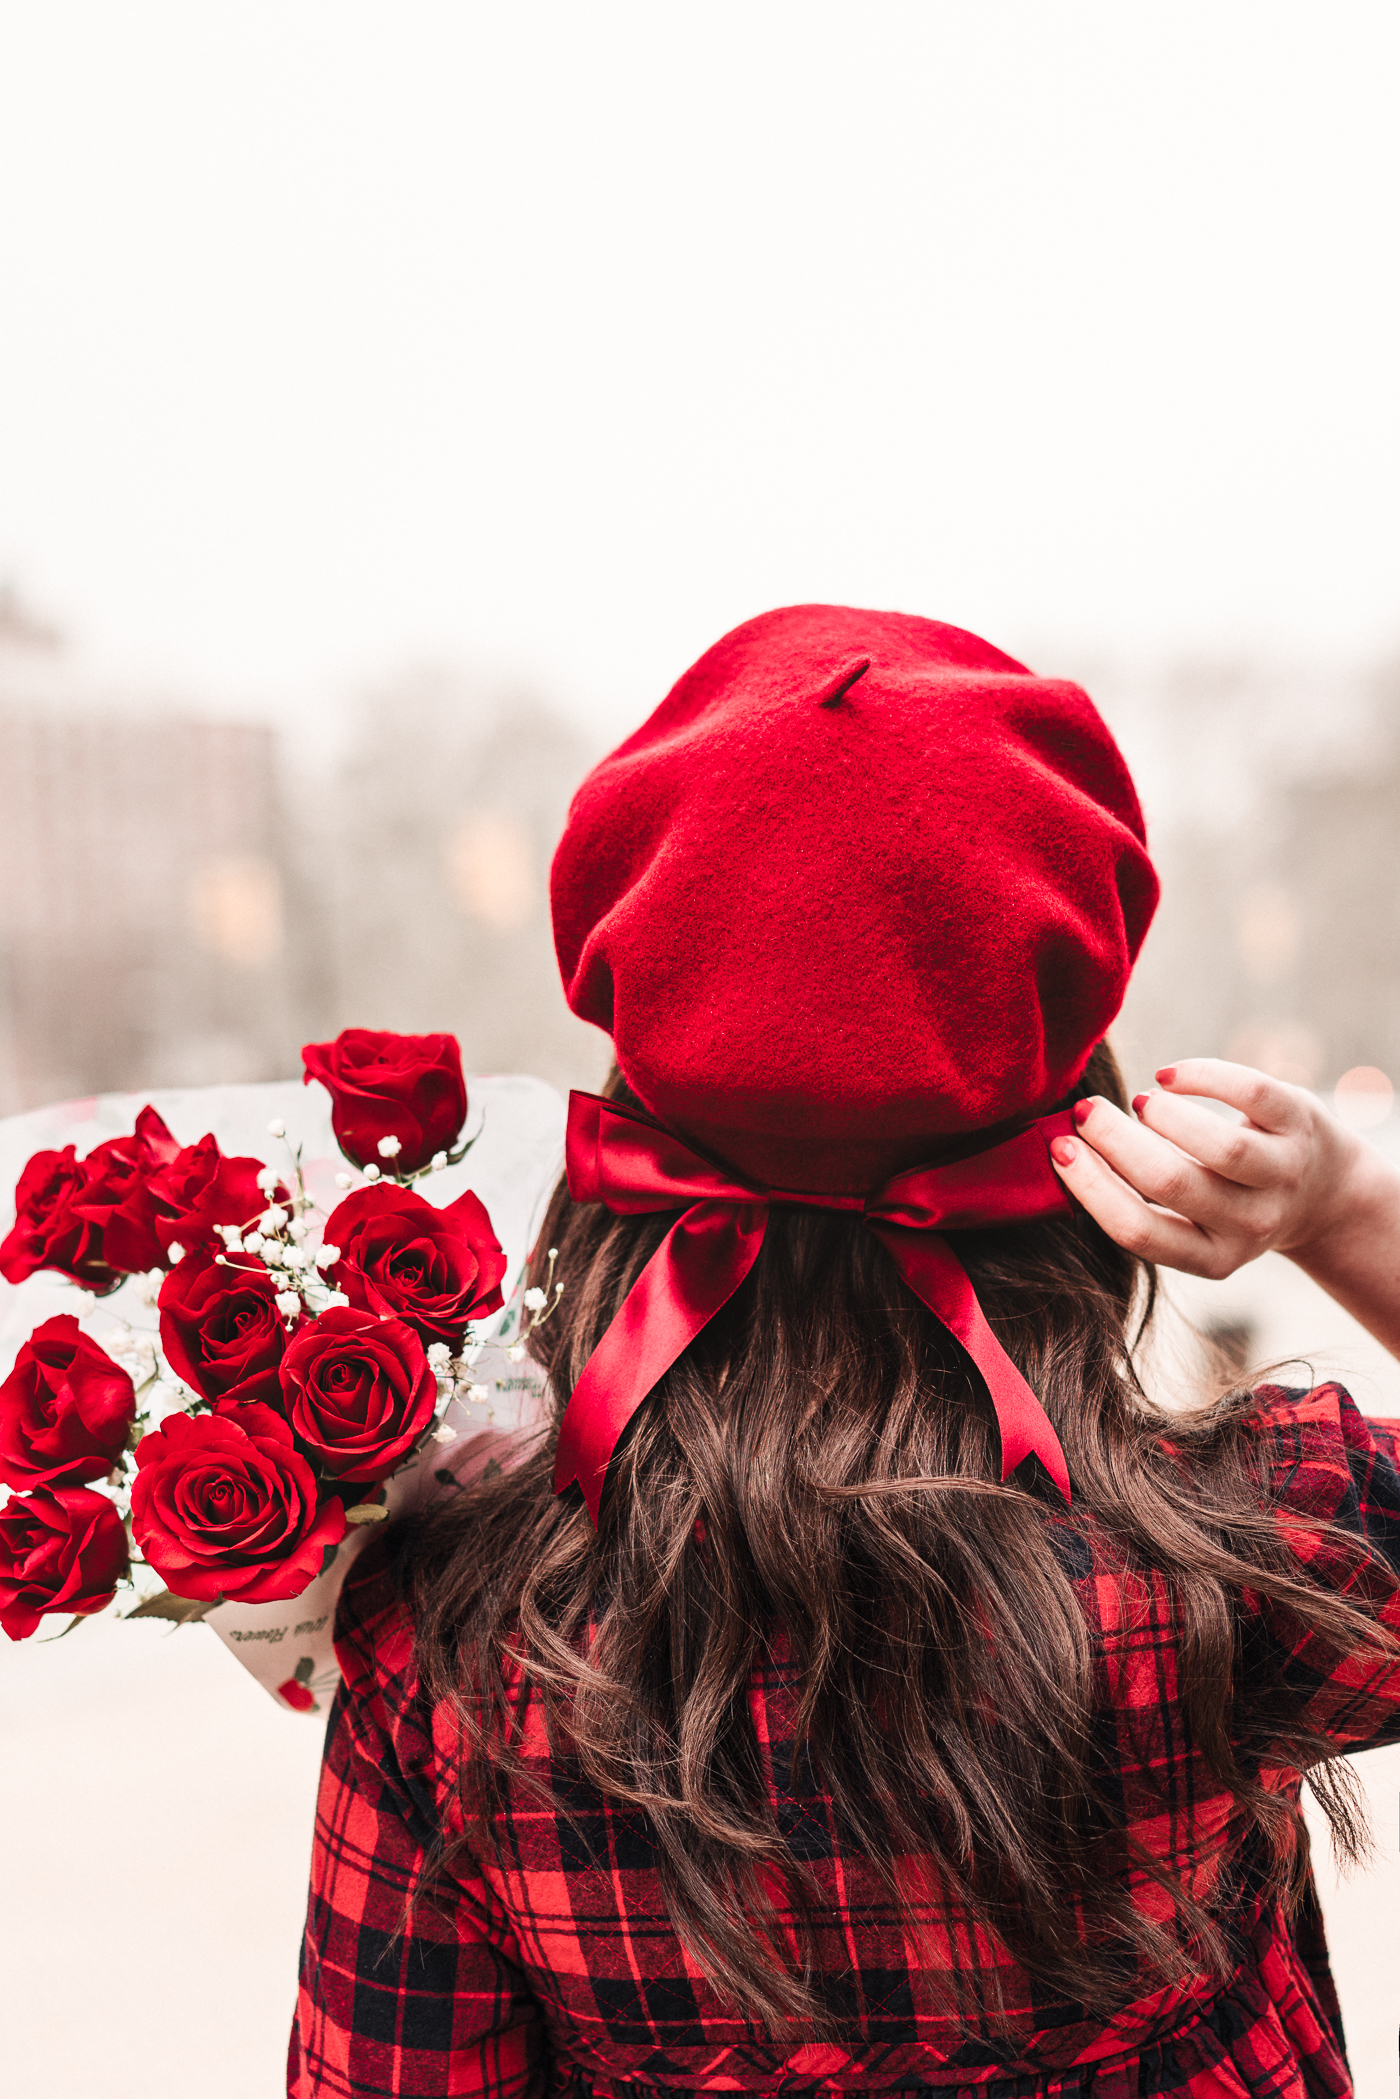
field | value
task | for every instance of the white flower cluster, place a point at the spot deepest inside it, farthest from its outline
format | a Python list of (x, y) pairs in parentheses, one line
[(455, 1381), (389, 1149), (276, 1240), (538, 1306), (158, 1392)]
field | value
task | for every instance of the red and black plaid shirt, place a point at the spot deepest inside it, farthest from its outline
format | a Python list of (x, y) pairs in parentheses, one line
[(553, 1967)]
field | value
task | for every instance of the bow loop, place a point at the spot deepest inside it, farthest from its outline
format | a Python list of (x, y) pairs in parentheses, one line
[(621, 1157), (1011, 1183), (618, 1156)]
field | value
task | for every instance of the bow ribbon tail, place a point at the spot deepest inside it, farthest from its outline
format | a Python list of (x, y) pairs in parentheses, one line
[(937, 1277), (693, 1273)]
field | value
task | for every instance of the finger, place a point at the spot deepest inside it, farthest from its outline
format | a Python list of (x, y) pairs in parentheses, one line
[(1150, 1233), (1237, 1151), (1160, 1171), (1269, 1103)]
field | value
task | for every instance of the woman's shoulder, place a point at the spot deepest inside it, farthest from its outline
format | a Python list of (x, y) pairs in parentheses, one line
[(1333, 1490), (387, 1704), (1324, 1457)]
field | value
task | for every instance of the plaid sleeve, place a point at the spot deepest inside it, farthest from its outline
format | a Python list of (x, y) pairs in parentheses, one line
[(427, 2004), (1331, 1463)]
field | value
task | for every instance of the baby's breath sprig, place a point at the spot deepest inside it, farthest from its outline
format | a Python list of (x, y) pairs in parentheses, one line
[(275, 1240), (538, 1304), (155, 1389), (454, 1381), (389, 1149), (301, 1202), (445, 1370)]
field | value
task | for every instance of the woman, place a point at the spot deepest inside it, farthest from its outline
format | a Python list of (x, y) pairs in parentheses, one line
[(862, 1684)]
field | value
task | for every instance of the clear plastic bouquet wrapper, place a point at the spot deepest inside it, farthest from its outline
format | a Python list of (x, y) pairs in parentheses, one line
[(230, 1355)]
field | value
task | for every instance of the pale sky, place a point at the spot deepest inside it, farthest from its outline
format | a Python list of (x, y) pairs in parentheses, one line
[(559, 338)]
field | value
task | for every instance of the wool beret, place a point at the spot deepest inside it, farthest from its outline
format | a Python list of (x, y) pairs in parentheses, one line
[(860, 886)]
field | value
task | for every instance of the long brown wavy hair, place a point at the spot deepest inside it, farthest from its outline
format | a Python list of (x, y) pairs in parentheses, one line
[(822, 1461)]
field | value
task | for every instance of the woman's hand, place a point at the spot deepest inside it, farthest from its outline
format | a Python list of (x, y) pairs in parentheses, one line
[(1185, 1187)]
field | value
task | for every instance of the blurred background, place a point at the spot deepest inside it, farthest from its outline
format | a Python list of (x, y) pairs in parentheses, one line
[(394, 401), (392, 404)]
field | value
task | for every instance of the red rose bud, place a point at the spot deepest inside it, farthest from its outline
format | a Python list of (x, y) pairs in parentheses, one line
[(65, 1409), (61, 1549), (48, 1231), (399, 1255), (404, 1087), (201, 1189), (116, 1195), (358, 1390), (227, 1507), (297, 1696), (221, 1330)]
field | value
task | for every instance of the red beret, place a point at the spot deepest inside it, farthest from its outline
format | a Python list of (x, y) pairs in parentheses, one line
[(860, 884)]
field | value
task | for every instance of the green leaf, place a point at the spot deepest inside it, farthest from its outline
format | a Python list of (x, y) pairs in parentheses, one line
[(367, 1512), (182, 1610)]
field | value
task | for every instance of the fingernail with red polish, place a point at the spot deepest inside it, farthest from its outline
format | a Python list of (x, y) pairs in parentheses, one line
[(1082, 1111), (1062, 1151), (1139, 1103), (1166, 1075)]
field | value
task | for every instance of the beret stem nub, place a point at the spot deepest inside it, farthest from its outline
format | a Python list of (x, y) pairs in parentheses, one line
[(836, 688)]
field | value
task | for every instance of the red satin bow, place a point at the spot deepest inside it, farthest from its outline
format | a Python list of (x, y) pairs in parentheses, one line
[(620, 1157)]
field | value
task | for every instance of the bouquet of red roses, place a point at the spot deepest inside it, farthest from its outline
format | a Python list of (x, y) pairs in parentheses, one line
[(295, 1361)]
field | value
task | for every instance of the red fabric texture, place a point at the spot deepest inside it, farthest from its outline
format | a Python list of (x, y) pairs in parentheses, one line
[(831, 915), (547, 1965), (621, 1157)]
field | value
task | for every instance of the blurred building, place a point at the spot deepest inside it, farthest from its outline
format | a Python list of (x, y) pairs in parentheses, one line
[(184, 900), (1273, 799), (427, 856), (143, 934), (179, 903), (1340, 888)]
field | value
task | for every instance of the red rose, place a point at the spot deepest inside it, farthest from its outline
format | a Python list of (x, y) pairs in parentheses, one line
[(65, 1409), (221, 1330), (436, 1269), (116, 1195), (359, 1391), (61, 1549), (225, 1507), (405, 1086), (48, 1231), (200, 1189)]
